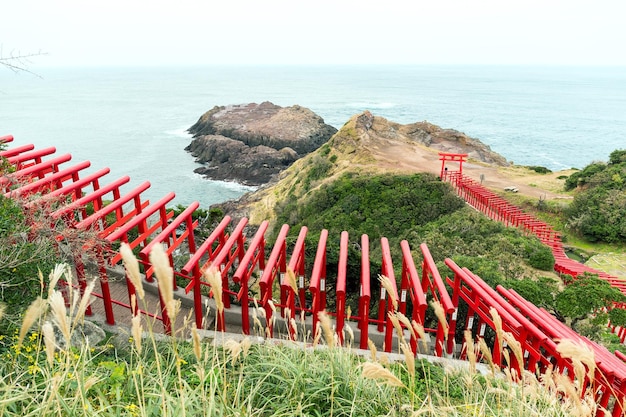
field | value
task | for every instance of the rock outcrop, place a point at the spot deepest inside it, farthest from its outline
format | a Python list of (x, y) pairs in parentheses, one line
[(453, 141), (228, 159), (250, 143)]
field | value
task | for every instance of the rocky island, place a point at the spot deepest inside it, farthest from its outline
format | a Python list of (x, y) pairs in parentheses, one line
[(251, 143)]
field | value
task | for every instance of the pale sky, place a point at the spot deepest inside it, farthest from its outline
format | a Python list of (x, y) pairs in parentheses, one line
[(261, 32)]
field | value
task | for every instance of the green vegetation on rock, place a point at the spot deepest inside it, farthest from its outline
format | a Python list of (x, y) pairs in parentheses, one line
[(598, 211), (23, 251), (378, 205), (418, 208)]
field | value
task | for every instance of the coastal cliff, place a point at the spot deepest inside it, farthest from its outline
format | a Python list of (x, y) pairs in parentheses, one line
[(250, 143)]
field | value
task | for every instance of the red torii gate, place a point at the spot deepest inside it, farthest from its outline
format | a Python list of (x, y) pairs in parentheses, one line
[(451, 157)]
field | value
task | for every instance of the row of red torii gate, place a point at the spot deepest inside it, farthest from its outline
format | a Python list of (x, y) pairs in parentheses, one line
[(40, 178)]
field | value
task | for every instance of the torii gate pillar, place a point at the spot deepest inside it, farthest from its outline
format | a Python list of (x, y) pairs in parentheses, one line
[(451, 157)]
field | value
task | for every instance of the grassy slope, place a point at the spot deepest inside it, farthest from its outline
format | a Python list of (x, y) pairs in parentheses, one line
[(372, 151)]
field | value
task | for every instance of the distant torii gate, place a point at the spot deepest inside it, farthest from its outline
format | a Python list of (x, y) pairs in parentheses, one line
[(451, 157)]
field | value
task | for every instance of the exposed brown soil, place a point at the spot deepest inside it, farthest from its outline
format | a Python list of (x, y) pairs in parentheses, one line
[(402, 156)]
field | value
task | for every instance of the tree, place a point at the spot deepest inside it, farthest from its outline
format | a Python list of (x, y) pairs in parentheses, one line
[(585, 298), (598, 211), (541, 292), (18, 61)]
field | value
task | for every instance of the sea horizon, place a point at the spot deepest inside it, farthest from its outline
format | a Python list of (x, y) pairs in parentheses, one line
[(134, 118)]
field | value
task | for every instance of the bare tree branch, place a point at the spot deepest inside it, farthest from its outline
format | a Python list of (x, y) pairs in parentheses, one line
[(19, 62)]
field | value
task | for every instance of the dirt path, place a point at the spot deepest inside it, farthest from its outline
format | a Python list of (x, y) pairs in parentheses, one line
[(410, 157)]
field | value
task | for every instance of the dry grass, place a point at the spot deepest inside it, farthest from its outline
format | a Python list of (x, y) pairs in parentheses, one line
[(196, 377)]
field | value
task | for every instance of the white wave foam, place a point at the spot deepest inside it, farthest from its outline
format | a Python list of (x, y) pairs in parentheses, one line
[(181, 132), (231, 185)]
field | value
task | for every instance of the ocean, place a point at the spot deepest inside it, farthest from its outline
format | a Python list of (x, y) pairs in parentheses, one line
[(134, 120)]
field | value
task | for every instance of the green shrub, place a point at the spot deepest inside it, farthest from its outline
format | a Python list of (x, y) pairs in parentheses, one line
[(617, 157), (580, 178), (22, 254), (318, 168), (539, 255), (598, 211), (539, 169)]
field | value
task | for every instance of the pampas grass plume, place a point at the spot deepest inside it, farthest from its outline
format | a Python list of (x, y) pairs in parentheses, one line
[(55, 276), (470, 350), (516, 347), (57, 305), (294, 327), (317, 336), (396, 325), (327, 329), (197, 347), (165, 277), (484, 349), (48, 338), (580, 355), (372, 347), (350, 333), (386, 283), (84, 301), (441, 316), (214, 278), (374, 370), (234, 348), (497, 322), (246, 343), (409, 358), (419, 329), (33, 312), (406, 323), (137, 331), (132, 268), (292, 280)]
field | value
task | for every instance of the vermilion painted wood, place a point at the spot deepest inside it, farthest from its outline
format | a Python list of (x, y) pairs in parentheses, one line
[(27, 159), (231, 250), (253, 258), (365, 292), (287, 294), (95, 199), (385, 308), (74, 190), (340, 291), (145, 231), (17, 150), (140, 221), (171, 239), (49, 183), (209, 248), (33, 172), (98, 221), (411, 285), (99, 218), (317, 283), (432, 282), (275, 267), (297, 265)]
